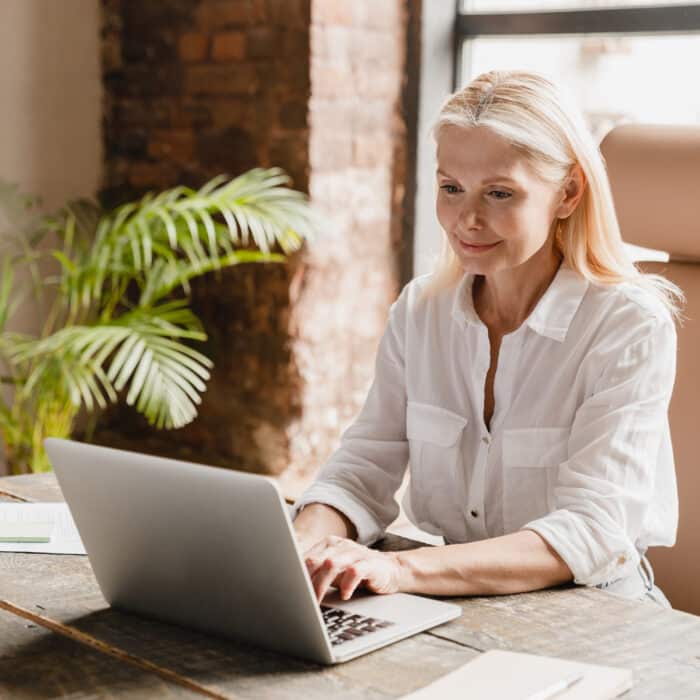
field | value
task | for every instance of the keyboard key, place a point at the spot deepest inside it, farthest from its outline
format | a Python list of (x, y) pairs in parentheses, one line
[(343, 626)]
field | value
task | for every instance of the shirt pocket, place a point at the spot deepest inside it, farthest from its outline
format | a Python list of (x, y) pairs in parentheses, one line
[(435, 444), (531, 459)]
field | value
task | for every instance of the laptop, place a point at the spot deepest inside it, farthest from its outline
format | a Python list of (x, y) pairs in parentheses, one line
[(214, 550)]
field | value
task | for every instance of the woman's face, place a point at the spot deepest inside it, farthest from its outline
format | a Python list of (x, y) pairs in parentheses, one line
[(496, 211)]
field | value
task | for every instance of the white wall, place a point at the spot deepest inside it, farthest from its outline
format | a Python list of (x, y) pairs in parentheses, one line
[(50, 103), (50, 96)]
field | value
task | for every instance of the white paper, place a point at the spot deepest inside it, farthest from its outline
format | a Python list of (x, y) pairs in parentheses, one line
[(508, 675), (64, 535)]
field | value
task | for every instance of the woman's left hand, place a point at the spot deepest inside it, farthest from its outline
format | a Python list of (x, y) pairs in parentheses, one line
[(336, 561)]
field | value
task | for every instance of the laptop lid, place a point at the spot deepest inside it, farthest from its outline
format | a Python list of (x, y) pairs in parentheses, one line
[(191, 544)]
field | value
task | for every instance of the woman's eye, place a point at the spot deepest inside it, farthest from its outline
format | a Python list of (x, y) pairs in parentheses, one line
[(500, 194), (450, 189)]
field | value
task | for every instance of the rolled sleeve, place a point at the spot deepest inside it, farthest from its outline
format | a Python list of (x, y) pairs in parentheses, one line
[(369, 529), (604, 489), (362, 476)]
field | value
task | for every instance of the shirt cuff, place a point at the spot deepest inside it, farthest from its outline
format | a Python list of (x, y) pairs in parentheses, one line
[(368, 528), (590, 560)]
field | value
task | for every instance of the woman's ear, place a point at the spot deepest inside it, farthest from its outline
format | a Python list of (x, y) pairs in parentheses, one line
[(574, 187)]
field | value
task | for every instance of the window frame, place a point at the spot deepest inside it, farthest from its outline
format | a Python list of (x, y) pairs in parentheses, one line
[(650, 19)]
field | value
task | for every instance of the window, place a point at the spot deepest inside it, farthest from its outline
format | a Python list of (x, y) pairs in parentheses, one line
[(622, 60)]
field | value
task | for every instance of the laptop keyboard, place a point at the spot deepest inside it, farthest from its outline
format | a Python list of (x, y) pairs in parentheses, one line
[(343, 626)]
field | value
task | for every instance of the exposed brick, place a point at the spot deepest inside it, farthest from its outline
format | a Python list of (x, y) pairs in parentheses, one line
[(295, 45), (372, 114), (381, 14), (228, 47), (383, 84), (373, 150), (143, 81), (263, 42), (293, 74), (148, 48), (258, 11), (291, 154), (193, 47), (333, 12), (111, 52), (215, 15), (239, 79), (331, 150), (155, 17), (294, 114), (131, 142), (132, 113), (229, 150), (145, 175), (361, 10), (222, 14), (332, 80), (173, 144), (230, 111), (190, 114), (332, 44), (294, 14), (199, 87)]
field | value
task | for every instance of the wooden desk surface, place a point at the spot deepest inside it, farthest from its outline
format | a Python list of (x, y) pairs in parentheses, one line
[(58, 638)]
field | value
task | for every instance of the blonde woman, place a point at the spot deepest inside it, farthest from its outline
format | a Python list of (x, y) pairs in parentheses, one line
[(526, 381)]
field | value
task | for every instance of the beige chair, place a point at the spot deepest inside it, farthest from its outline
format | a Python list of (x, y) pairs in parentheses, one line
[(655, 177)]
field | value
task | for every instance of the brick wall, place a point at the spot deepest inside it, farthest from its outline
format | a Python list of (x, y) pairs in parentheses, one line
[(356, 152), (198, 87)]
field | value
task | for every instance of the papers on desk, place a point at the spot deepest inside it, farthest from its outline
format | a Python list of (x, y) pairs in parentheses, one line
[(507, 675), (22, 522)]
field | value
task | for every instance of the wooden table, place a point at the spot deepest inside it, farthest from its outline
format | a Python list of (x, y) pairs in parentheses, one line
[(58, 638)]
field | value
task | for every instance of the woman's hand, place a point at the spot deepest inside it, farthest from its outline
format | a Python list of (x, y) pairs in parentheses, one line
[(340, 562)]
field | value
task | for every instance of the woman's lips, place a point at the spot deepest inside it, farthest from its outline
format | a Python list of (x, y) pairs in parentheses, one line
[(477, 247)]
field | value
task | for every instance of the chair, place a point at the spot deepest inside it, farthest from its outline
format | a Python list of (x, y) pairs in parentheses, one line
[(655, 177)]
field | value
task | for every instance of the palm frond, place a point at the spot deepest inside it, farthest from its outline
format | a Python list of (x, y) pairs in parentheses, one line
[(165, 277), (201, 225), (6, 282), (141, 352)]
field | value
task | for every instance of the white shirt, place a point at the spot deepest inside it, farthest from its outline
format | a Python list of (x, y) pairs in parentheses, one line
[(579, 446)]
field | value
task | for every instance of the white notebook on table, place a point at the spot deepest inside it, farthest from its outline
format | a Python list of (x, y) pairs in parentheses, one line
[(20, 521), (509, 675)]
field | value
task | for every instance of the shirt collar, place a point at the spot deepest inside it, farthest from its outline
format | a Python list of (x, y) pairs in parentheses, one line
[(553, 313)]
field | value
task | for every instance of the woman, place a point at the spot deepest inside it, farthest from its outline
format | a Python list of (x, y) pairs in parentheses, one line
[(526, 381)]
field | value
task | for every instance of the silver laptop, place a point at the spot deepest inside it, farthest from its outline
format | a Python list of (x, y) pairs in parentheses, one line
[(214, 550)]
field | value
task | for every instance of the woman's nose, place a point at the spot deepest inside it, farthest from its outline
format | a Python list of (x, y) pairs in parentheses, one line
[(469, 217)]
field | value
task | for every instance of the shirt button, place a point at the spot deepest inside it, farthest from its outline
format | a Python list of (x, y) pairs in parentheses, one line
[(474, 513), (485, 440), (621, 560)]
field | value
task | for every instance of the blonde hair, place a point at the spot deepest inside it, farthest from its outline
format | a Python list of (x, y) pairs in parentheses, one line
[(530, 112)]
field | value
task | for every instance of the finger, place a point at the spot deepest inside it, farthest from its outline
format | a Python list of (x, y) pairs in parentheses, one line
[(324, 576), (351, 578), (332, 567), (341, 550), (315, 565), (314, 555)]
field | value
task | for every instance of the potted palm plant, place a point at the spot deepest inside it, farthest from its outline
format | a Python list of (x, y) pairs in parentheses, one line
[(117, 323)]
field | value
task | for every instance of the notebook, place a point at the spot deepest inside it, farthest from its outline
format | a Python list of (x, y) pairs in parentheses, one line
[(46, 528), (509, 675)]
